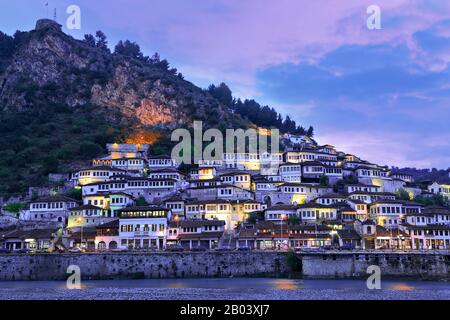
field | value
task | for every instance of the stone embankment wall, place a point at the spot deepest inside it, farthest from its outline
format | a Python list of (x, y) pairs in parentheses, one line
[(223, 264), (139, 265), (354, 265)]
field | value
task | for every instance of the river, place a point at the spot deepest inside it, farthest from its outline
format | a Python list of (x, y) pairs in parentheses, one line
[(225, 289)]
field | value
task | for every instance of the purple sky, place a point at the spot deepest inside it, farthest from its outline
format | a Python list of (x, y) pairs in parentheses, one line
[(381, 94)]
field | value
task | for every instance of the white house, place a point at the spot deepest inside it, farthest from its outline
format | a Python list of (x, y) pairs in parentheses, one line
[(50, 209), (87, 216), (218, 209), (442, 188), (429, 229), (117, 151), (315, 212), (143, 227), (159, 162), (330, 198), (240, 179), (391, 213), (313, 169), (111, 202), (362, 187), (96, 174), (176, 204), (402, 176), (107, 236), (197, 233), (291, 172), (281, 212)]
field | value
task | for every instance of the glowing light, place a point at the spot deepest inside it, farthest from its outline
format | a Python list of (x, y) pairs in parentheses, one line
[(264, 131), (298, 199), (143, 136)]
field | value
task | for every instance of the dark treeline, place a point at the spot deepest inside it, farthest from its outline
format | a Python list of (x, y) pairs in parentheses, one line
[(7, 46), (130, 49), (425, 174), (263, 116)]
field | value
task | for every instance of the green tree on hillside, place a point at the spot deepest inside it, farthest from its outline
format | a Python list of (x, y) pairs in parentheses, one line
[(130, 49)]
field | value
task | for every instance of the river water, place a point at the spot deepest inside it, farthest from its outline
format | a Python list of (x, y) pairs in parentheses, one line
[(225, 289)]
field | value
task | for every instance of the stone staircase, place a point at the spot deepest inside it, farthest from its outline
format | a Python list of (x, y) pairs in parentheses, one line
[(227, 240)]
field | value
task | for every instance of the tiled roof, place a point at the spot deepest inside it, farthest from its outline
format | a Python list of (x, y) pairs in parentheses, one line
[(436, 210), (356, 201), (85, 207), (143, 208), (402, 202), (372, 193), (205, 202), (54, 199), (348, 234), (176, 198), (282, 207), (332, 195), (369, 222), (312, 163), (166, 170), (427, 227), (310, 227), (362, 185), (313, 205), (306, 185), (235, 173), (203, 235), (29, 234), (109, 225)]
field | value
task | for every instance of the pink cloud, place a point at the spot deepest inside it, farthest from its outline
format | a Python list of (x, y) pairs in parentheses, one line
[(232, 40)]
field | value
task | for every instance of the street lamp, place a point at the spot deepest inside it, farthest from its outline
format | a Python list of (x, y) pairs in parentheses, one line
[(80, 220), (177, 219), (283, 217)]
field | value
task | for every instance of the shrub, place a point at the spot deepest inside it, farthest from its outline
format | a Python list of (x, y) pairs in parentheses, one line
[(90, 149)]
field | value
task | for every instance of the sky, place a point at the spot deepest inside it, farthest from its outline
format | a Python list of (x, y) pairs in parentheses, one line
[(380, 94)]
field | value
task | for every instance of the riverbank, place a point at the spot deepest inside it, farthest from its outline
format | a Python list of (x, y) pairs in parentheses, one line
[(226, 289)]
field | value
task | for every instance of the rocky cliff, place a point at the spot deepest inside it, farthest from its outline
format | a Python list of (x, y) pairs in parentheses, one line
[(50, 67)]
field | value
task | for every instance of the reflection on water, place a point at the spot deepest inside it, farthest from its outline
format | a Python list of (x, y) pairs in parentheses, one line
[(286, 284), (178, 285), (401, 287), (235, 284)]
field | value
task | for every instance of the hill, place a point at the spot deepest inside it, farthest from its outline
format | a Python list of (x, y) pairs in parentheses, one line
[(63, 99)]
